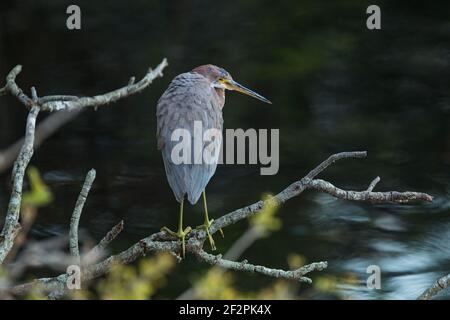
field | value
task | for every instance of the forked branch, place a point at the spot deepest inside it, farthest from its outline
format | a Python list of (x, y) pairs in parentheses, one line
[(49, 103)]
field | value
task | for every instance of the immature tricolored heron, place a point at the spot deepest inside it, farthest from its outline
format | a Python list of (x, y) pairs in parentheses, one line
[(195, 96)]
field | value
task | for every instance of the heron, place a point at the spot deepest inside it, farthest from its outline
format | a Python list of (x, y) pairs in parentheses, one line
[(195, 96)]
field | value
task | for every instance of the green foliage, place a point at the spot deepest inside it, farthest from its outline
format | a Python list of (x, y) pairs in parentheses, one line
[(266, 221), (39, 194)]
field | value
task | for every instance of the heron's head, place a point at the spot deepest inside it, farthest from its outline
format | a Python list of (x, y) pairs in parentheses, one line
[(221, 79)]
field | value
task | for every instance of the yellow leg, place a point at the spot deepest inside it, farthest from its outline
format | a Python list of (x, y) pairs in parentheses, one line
[(181, 234), (207, 223)]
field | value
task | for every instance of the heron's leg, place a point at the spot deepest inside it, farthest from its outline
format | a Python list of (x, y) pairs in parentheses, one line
[(208, 223), (181, 234)]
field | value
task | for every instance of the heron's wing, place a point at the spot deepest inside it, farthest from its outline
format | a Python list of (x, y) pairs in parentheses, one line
[(188, 99)]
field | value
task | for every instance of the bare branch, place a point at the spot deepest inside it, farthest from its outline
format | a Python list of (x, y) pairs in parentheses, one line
[(74, 221), (252, 234), (307, 182), (373, 184), (62, 102), (298, 274), (34, 95), (440, 284), (12, 225), (332, 159), (13, 89), (390, 196), (107, 98), (56, 98)]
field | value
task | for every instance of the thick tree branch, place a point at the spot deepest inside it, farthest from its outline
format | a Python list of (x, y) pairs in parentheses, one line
[(75, 219), (439, 285)]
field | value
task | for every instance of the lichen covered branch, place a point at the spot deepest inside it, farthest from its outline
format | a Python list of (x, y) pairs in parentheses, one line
[(298, 274), (380, 197), (75, 219), (64, 102), (107, 98), (12, 225)]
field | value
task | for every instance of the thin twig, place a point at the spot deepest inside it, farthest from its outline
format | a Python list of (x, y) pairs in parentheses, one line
[(373, 184), (12, 225), (332, 159), (107, 98), (75, 219), (14, 89), (390, 196)]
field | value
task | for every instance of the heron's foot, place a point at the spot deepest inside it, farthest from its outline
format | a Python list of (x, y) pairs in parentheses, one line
[(180, 235), (206, 227)]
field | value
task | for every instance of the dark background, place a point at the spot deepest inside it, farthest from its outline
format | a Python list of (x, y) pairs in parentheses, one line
[(335, 86)]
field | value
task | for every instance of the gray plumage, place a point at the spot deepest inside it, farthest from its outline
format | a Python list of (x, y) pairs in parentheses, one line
[(189, 97)]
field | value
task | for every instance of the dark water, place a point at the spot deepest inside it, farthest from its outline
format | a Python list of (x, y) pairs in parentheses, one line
[(336, 86)]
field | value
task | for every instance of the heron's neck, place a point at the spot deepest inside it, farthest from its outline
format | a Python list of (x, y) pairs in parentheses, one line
[(221, 96)]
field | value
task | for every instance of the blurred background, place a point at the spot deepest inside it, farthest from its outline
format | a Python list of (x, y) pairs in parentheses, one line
[(335, 86)]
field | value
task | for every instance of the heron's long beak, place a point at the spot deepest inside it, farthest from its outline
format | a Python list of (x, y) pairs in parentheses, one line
[(233, 85)]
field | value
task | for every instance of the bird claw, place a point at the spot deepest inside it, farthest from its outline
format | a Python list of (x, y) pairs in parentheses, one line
[(206, 227), (180, 235)]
